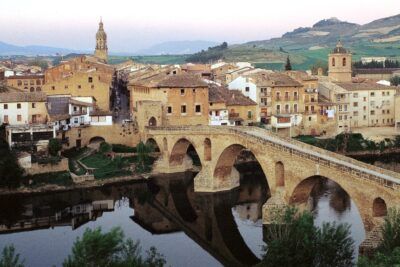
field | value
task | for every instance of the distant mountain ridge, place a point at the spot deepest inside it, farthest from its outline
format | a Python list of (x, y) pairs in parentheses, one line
[(177, 48), (32, 50)]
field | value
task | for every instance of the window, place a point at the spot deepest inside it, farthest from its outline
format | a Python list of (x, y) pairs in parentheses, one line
[(79, 86), (295, 107), (372, 94), (169, 110), (5, 106), (92, 86), (388, 111), (38, 89), (247, 89), (365, 99), (38, 82), (198, 108), (344, 62), (333, 62), (383, 111), (340, 117), (19, 83), (345, 107), (5, 118), (372, 112), (90, 79), (249, 114), (18, 106), (66, 86), (355, 104), (33, 105), (355, 113), (383, 93), (365, 117), (278, 109), (194, 91), (355, 95), (183, 109), (53, 88), (345, 117), (32, 89), (19, 118), (182, 91), (340, 107)]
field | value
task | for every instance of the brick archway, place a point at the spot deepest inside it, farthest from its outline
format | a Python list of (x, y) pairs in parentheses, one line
[(180, 150)]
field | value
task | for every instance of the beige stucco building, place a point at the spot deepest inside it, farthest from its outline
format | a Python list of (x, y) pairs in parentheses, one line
[(339, 61)]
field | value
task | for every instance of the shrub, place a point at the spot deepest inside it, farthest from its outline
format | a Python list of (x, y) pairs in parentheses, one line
[(54, 146), (105, 147)]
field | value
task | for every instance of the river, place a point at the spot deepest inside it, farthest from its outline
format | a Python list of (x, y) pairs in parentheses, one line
[(188, 228)]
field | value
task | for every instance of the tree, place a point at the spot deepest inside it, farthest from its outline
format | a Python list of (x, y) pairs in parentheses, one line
[(293, 240), (10, 171), (54, 146), (395, 80), (143, 151), (288, 65), (110, 249), (9, 258)]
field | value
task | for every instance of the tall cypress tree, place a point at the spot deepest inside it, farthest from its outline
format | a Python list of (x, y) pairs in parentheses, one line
[(288, 65)]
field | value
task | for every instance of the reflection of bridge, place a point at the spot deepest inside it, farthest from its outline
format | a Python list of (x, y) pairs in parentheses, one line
[(205, 218), (291, 168)]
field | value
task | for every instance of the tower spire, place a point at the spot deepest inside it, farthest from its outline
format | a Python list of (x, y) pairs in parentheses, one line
[(101, 50)]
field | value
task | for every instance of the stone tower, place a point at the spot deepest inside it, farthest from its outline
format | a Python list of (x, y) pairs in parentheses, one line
[(101, 51), (339, 64)]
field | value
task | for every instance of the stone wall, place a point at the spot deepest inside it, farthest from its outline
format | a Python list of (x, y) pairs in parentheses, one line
[(37, 168)]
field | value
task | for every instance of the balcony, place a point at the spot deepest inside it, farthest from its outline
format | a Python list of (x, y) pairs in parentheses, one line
[(264, 94)]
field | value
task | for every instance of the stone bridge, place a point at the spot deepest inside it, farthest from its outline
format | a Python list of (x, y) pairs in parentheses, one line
[(291, 168)]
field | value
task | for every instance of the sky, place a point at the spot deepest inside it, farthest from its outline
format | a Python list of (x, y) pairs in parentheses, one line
[(132, 25)]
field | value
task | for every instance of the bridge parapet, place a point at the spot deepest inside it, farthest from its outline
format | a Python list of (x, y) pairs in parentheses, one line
[(386, 178)]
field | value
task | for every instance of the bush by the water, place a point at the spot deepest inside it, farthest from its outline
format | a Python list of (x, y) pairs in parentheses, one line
[(10, 171), (293, 240), (118, 148)]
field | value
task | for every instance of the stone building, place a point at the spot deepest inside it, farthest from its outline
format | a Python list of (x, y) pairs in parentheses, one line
[(184, 98), (27, 83), (83, 76), (101, 50)]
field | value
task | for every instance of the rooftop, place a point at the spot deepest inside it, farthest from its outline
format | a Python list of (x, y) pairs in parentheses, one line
[(220, 94), (365, 85), (10, 97)]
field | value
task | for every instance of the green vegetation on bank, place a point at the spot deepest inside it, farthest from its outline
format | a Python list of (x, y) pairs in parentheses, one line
[(10, 171), (293, 240), (62, 178), (346, 143), (100, 249), (118, 148), (212, 54)]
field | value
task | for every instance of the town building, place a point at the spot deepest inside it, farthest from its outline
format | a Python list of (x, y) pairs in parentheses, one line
[(230, 107), (339, 62), (83, 76), (27, 83), (183, 98)]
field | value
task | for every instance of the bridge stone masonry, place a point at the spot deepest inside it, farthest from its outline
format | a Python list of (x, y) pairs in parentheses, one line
[(291, 169)]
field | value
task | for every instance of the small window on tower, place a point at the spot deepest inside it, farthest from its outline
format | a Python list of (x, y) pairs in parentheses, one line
[(90, 79), (344, 62), (333, 62)]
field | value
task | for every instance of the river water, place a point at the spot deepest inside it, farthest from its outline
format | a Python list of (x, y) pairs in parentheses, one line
[(188, 228)]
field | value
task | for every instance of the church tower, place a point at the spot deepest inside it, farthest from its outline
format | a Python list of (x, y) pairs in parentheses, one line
[(101, 51), (339, 64)]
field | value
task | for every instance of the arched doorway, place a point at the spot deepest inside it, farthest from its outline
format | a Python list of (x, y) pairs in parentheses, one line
[(96, 139), (152, 122)]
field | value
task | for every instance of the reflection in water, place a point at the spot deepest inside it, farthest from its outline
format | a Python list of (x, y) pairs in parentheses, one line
[(190, 229)]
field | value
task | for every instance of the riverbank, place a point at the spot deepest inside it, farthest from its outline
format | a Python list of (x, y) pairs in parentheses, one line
[(50, 188)]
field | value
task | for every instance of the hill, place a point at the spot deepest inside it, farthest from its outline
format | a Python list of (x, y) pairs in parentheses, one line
[(31, 50), (308, 45)]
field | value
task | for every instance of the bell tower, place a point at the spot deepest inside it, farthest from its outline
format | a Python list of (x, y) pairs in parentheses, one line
[(101, 51), (339, 64)]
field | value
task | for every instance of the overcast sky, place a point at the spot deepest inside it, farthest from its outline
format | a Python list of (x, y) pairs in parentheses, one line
[(133, 24)]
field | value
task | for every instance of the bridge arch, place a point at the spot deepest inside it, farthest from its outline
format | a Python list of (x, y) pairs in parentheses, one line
[(153, 143), (180, 150), (379, 208)]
